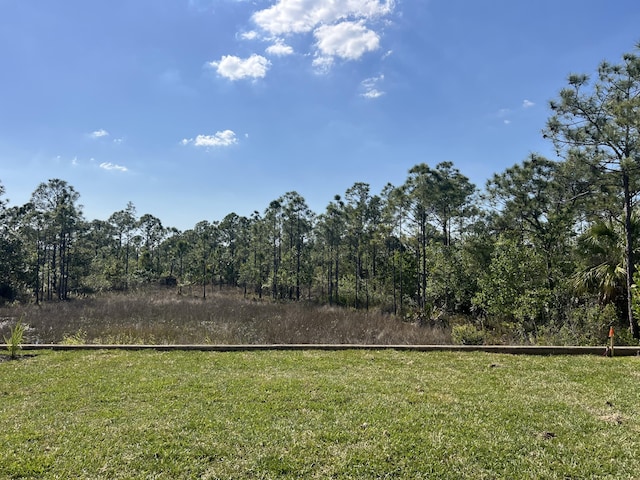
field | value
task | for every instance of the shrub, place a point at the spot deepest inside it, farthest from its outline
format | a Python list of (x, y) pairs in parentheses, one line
[(467, 334), (78, 338), (584, 325), (14, 341)]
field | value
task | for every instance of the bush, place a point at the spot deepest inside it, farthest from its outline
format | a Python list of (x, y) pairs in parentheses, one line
[(467, 334), (584, 325)]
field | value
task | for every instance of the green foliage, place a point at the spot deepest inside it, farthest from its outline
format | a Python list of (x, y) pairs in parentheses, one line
[(467, 334), (514, 287), (14, 341), (51, 224), (601, 269), (595, 123), (585, 325)]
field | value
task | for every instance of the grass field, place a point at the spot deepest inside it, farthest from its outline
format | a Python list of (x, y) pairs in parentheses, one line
[(311, 414), (160, 316)]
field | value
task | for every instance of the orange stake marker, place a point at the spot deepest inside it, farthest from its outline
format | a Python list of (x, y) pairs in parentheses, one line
[(611, 335)]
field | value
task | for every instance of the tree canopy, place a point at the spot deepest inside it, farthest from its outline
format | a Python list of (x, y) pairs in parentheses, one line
[(543, 240)]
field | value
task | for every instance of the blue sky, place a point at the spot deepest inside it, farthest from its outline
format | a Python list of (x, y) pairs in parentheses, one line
[(193, 109)]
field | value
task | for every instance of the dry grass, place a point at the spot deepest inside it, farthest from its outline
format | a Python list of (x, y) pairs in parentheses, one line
[(226, 317)]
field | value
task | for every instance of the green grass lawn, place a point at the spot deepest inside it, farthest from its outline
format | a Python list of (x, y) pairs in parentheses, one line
[(312, 414)]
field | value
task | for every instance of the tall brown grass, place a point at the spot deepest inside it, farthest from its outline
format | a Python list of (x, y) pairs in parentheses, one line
[(226, 317)]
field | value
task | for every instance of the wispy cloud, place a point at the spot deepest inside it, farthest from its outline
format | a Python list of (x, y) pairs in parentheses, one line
[(373, 93), (504, 114), (370, 87), (113, 166), (236, 68), (250, 35), (322, 64), (99, 133), (225, 138)]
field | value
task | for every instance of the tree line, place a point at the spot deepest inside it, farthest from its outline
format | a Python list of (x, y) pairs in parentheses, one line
[(547, 247)]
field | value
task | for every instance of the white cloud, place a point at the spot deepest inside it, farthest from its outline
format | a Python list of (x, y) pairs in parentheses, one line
[(527, 104), (279, 49), (113, 166), (373, 93), (348, 40), (322, 64), (504, 114), (99, 133), (251, 35), (236, 68), (300, 16), (370, 86), (224, 138), (345, 29)]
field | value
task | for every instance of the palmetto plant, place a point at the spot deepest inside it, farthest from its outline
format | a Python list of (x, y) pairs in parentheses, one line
[(14, 341), (603, 272)]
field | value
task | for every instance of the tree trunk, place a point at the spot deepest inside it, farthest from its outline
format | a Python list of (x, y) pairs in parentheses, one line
[(628, 253), (204, 279), (423, 254), (337, 277)]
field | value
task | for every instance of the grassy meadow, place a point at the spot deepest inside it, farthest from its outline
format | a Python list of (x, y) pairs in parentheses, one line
[(312, 414), (161, 316)]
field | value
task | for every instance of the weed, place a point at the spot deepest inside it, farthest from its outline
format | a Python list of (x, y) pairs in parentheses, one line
[(78, 338), (14, 341)]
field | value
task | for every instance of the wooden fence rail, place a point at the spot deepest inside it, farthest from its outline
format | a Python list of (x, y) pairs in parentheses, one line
[(513, 350)]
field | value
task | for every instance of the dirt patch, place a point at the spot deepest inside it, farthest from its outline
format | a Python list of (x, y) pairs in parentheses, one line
[(613, 418), (7, 358)]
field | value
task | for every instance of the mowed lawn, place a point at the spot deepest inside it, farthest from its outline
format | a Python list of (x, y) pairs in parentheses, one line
[(318, 414)]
